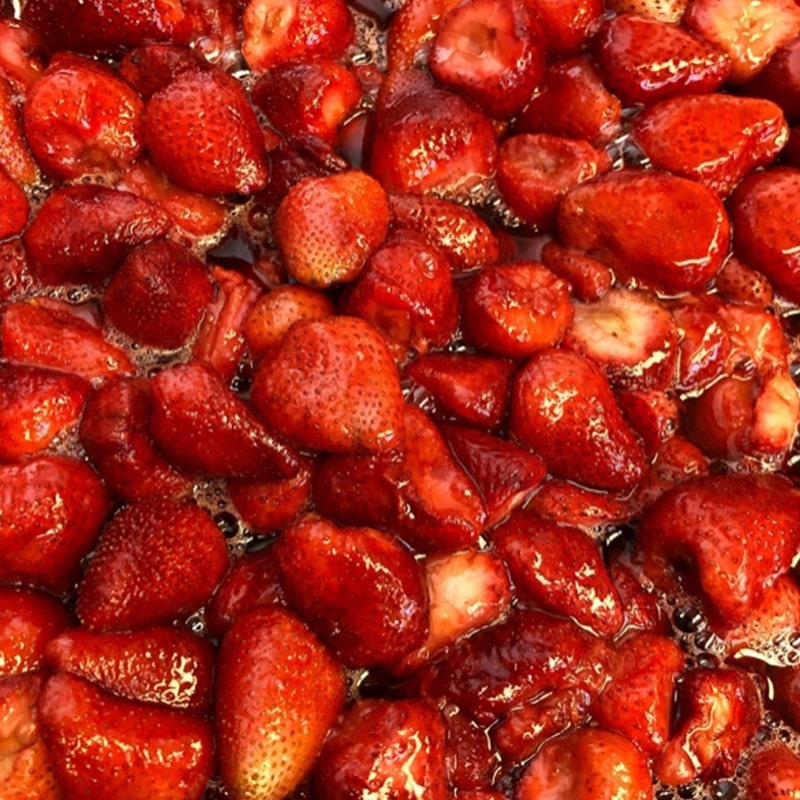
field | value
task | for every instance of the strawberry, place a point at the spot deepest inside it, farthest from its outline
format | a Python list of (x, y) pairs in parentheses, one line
[(535, 170), (471, 762), (28, 621), (279, 31), (51, 511), (331, 385), (705, 342), (630, 335), (412, 30), (583, 437), (82, 233), (266, 740), (491, 51), (162, 665), (326, 228), (779, 81), (79, 119), (589, 278), (144, 752), (359, 590), (201, 131), (737, 283), (202, 427), (150, 67), (15, 157), (156, 561), (515, 310), (663, 10), (567, 24), (36, 406), (730, 137), (680, 232), (588, 764), (641, 609), (654, 415), (560, 569), (644, 60), (747, 30), (786, 682), (387, 748), (569, 504), (21, 61), (14, 205), (773, 773)]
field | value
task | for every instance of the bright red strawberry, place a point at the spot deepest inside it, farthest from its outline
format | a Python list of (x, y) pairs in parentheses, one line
[(630, 336), (773, 773), (81, 233), (589, 278), (36, 406), (14, 207), (737, 534), (144, 752), (559, 569), (653, 414), (491, 51), (326, 228), (331, 385), (535, 170), (569, 504), (15, 157), (279, 31), (21, 54), (386, 748), (51, 511), (163, 665), (737, 283), (156, 561), (202, 132), (705, 342), (267, 741), (676, 241), (644, 60), (779, 81), (582, 437), (663, 10), (714, 139), (573, 102), (28, 621), (588, 764), (567, 24), (151, 67), (79, 119)]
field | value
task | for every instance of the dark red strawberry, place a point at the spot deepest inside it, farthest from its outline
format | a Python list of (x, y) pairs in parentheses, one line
[(202, 132), (15, 158), (786, 681), (773, 773), (589, 278), (654, 415), (412, 31), (268, 741), (663, 10), (391, 748), (144, 752), (471, 762), (569, 504), (51, 511), (641, 609), (156, 561), (21, 54), (779, 81), (581, 437), (14, 207), (705, 342), (737, 283), (150, 67), (567, 24)]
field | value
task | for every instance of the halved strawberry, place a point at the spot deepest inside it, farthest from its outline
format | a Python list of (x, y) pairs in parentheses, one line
[(568, 25), (14, 207), (773, 773), (589, 278), (15, 157), (150, 67)]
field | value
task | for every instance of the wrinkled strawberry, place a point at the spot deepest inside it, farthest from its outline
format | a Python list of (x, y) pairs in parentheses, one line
[(144, 752), (644, 60), (738, 283), (389, 748), (676, 241), (14, 207), (21, 56), (569, 504), (705, 343), (51, 511), (151, 67), (589, 278), (156, 561), (15, 157), (267, 741), (567, 24), (582, 437), (773, 773), (779, 81), (654, 415), (202, 132), (412, 31)]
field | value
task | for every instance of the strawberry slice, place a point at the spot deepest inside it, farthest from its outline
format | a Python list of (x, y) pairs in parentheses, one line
[(14, 207), (773, 773), (267, 741)]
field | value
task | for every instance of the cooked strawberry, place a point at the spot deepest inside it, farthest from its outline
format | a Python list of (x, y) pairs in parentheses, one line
[(36, 406), (471, 762), (705, 342), (28, 621), (763, 211), (573, 102), (156, 561), (569, 504), (535, 170), (749, 31), (786, 682), (15, 158), (559, 569), (654, 415), (663, 10), (779, 80), (21, 56), (428, 139), (716, 139), (159, 294), (720, 710), (773, 773), (582, 437), (737, 283), (14, 207), (588, 764), (589, 278), (202, 132), (515, 310), (630, 335), (161, 665), (215, 30), (567, 24), (731, 536), (144, 751), (641, 609), (279, 31), (326, 228), (150, 67), (386, 748), (81, 233), (491, 51), (406, 291), (266, 740), (80, 118), (644, 60), (676, 240), (331, 385), (15, 278), (412, 30)]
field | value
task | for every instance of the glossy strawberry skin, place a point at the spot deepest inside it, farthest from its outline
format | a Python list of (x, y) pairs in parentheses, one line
[(21, 62), (779, 81), (569, 25), (14, 216), (773, 773), (589, 278), (15, 157), (151, 67)]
